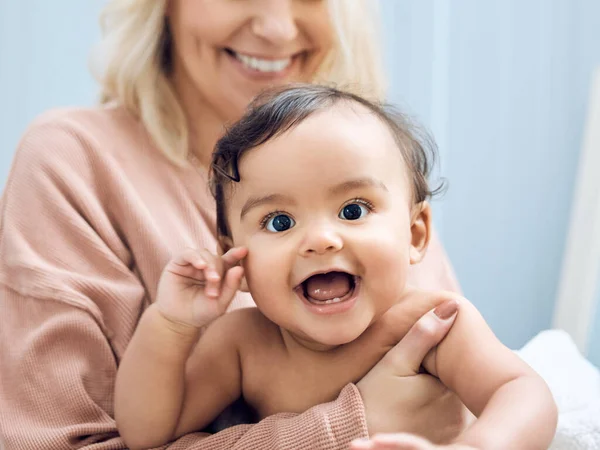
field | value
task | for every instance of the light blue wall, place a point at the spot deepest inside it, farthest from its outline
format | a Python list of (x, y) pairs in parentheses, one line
[(594, 349), (503, 84), (44, 48)]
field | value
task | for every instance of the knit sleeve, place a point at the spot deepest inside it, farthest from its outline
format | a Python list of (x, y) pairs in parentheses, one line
[(58, 370), (69, 302)]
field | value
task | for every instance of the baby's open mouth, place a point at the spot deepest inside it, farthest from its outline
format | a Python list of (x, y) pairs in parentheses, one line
[(327, 288)]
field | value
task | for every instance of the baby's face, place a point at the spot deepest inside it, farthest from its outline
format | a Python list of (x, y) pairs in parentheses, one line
[(325, 211)]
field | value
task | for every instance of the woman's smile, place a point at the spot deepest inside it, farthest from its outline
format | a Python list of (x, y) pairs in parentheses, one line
[(264, 68)]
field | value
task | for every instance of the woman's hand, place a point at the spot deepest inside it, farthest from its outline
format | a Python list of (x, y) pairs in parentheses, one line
[(402, 441), (398, 397)]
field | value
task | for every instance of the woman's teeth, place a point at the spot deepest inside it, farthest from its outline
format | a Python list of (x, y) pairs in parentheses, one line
[(263, 65)]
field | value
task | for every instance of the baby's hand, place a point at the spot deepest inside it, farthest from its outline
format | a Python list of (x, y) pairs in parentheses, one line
[(196, 287)]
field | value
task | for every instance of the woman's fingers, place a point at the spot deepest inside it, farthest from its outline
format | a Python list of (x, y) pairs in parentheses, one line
[(396, 397), (399, 441), (407, 356), (402, 441)]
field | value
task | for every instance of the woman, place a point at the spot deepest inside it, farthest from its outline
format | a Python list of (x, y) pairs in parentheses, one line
[(99, 199)]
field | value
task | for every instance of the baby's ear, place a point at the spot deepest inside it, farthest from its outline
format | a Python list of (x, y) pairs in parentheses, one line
[(224, 244), (420, 230)]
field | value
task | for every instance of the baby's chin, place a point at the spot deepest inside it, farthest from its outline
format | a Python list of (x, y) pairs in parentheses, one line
[(331, 339)]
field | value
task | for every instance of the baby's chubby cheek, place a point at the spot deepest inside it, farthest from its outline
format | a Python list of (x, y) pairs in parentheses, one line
[(385, 266), (262, 269)]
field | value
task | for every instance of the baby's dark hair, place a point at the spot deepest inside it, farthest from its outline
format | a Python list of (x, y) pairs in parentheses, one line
[(277, 111)]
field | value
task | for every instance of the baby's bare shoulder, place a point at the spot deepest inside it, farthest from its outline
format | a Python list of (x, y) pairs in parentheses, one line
[(250, 316), (238, 318), (244, 325)]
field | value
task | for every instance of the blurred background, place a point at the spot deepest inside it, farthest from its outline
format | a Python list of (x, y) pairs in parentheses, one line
[(503, 84)]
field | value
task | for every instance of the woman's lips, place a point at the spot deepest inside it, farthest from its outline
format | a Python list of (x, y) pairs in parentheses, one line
[(264, 69), (268, 65)]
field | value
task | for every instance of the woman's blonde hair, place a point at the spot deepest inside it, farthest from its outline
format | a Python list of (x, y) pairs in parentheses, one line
[(133, 59)]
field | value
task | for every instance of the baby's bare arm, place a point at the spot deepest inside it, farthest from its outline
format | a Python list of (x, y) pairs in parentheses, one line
[(158, 395), (213, 376), (514, 406)]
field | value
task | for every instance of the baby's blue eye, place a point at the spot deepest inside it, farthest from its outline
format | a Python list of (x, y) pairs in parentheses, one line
[(353, 211), (279, 223)]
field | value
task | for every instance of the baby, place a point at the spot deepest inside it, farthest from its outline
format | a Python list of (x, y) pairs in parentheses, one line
[(321, 209)]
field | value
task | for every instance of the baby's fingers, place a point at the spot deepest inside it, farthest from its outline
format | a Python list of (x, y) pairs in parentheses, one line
[(191, 257), (233, 257), (231, 285), (200, 265), (213, 273)]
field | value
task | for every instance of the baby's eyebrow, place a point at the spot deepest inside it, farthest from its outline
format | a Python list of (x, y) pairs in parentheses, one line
[(357, 184), (253, 202)]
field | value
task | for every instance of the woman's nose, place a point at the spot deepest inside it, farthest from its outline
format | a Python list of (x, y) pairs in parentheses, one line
[(275, 21), (320, 240)]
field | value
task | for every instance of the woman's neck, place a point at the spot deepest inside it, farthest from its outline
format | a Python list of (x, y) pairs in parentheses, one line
[(205, 125)]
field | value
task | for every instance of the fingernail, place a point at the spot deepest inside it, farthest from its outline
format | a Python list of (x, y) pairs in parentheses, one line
[(212, 275), (212, 292), (446, 309)]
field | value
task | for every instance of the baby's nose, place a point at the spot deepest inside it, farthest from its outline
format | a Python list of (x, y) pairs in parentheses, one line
[(321, 240)]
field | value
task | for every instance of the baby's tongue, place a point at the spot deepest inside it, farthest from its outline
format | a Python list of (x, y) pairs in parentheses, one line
[(327, 286)]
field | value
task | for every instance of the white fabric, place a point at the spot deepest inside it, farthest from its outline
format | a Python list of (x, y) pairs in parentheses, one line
[(575, 384)]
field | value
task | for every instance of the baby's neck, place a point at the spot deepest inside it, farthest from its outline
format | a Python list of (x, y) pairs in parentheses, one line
[(295, 343)]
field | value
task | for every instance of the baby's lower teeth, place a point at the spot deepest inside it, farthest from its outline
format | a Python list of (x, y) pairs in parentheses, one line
[(333, 300)]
